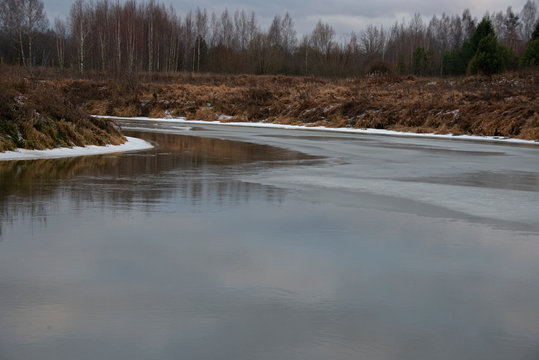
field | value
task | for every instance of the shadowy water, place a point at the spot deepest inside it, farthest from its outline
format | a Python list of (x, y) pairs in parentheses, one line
[(179, 253)]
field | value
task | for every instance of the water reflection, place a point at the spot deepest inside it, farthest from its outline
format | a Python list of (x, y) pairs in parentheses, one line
[(197, 170), (166, 254)]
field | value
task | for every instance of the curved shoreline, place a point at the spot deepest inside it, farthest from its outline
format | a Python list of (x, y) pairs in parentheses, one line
[(132, 144), (324, 128)]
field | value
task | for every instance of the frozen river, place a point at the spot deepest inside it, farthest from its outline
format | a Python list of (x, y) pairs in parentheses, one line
[(244, 243)]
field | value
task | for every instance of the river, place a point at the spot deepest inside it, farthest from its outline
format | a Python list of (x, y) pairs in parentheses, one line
[(245, 243)]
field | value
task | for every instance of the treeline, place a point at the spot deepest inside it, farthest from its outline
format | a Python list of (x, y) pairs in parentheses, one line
[(148, 36)]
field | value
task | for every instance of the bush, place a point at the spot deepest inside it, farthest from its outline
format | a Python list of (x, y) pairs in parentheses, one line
[(490, 58), (531, 55), (38, 116), (379, 67)]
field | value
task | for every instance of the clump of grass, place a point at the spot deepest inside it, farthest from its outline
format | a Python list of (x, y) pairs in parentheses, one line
[(205, 114), (35, 115)]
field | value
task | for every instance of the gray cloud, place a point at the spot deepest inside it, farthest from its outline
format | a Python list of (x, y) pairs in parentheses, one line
[(344, 15)]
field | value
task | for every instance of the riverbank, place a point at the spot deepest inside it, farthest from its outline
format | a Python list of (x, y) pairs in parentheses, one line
[(499, 106), (330, 129), (51, 111), (131, 144), (36, 115)]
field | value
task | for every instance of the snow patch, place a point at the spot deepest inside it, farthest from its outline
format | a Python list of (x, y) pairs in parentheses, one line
[(131, 144), (20, 99), (324, 128), (224, 117)]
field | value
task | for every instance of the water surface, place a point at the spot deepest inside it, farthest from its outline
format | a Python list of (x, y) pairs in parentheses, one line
[(238, 243)]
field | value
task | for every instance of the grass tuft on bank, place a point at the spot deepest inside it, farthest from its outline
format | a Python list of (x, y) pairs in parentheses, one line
[(35, 115)]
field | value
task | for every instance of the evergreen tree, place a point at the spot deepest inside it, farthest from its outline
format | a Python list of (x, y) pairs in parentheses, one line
[(531, 55), (419, 61), (490, 58), (471, 45), (453, 62)]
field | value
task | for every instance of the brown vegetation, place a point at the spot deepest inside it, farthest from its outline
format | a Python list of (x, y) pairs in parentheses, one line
[(35, 115), (51, 111), (504, 105)]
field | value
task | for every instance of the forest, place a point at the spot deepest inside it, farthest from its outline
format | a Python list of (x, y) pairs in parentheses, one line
[(147, 36)]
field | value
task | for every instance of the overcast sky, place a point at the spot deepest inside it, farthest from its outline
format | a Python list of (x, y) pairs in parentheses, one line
[(344, 15)]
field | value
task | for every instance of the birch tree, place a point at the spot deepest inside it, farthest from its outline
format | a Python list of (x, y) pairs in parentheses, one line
[(23, 19), (80, 27), (60, 32)]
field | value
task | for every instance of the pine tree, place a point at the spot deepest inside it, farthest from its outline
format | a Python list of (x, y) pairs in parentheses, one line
[(490, 58)]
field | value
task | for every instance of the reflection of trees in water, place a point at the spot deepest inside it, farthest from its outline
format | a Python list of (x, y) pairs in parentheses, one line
[(195, 170)]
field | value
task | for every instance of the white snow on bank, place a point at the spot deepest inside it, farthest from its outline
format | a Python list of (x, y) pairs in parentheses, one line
[(324, 128), (22, 154)]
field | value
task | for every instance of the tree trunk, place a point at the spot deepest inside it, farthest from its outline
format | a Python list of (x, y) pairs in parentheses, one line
[(21, 45)]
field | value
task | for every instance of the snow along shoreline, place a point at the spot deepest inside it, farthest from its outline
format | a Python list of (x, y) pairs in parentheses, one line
[(131, 144), (182, 120)]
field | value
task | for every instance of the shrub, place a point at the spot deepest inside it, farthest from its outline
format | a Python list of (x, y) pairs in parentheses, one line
[(379, 67), (531, 55), (490, 58)]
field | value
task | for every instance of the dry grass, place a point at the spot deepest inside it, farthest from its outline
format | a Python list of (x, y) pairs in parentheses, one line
[(503, 105), (35, 115)]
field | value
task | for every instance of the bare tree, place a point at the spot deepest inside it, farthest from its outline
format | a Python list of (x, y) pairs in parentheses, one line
[(274, 32), (528, 16), (23, 19), (456, 32), (130, 31), (288, 34), (60, 31), (258, 49), (173, 36), (468, 23), (417, 30), (373, 42), (201, 25), (102, 27), (131, 35), (241, 24), (12, 16), (227, 26), (35, 21), (498, 23), (118, 34), (438, 36), (189, 48), (80, 27), (511, 25), (150, 17), (322, 38)]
